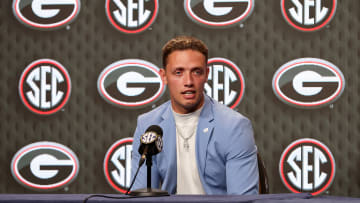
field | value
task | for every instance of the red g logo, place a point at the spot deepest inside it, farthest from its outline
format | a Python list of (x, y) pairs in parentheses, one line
[(46, 14), (130, 83), (308, 83), (45, 166), (218, 13)]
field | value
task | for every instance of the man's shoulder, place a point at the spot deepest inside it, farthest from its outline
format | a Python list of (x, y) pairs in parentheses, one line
[(225, 114), (155, 113)]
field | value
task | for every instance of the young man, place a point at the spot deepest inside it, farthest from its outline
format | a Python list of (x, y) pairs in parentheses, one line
[(208, 147)]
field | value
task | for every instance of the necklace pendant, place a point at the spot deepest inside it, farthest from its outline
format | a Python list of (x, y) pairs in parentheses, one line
[(186, 146)]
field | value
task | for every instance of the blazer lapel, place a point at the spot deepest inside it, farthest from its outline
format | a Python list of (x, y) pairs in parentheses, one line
[(169, 139), (204, 132)]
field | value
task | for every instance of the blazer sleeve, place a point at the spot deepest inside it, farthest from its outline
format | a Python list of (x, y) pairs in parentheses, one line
[(141, 179), (242, 175)]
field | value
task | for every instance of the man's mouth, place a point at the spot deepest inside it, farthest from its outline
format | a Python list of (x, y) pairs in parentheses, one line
[(189, 92)]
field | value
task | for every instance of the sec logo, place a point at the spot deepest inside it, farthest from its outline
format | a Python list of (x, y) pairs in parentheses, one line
[(117, 165), (308, 15), (131, 16), (308, 83), (46, 14), (218, 13), (149, 137), (45, 86), (226, 83), (45, 166), (307, 165), (130, 83)]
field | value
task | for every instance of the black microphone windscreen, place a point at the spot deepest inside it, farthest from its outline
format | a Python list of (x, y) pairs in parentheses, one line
[(155, 128)]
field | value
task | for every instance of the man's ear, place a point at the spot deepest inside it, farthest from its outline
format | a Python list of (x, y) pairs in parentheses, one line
[(163, 75), (207, 72)]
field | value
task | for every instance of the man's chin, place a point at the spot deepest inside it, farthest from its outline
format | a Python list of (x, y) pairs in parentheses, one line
[(191, 107)]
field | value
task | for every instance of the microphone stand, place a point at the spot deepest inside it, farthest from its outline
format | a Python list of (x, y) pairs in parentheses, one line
[(149, 192)]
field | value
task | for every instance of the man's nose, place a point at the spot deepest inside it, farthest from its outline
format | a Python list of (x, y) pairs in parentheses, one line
[(188, 79)]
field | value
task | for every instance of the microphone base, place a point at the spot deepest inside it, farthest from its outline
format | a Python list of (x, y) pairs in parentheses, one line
[(149, 192)]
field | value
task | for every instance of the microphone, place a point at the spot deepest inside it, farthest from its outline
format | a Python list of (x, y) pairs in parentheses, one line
[(151, 143)]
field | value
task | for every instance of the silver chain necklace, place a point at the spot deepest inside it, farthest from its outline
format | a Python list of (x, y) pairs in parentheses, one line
[(186, 139)]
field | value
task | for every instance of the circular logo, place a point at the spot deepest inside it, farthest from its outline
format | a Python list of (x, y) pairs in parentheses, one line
[(44, 86), (308, 15), (131, 17), (307, 165), (46, 14), (308, 83), (226, 83), (218, 13), (149, 137), (130, 83), (45, 166), (117, 165)]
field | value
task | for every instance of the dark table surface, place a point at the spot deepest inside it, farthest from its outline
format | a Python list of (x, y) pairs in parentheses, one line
[(79, 198)]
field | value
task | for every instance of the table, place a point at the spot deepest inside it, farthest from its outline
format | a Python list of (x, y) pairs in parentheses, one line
[(110, 198)]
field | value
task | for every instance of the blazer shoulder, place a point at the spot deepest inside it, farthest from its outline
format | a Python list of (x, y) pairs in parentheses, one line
[(226, 114), (155, 114)]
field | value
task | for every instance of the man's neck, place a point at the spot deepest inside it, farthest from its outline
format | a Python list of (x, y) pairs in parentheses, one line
[(187, 111)]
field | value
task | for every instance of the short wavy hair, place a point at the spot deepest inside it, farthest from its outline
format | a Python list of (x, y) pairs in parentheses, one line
[(183, 43)]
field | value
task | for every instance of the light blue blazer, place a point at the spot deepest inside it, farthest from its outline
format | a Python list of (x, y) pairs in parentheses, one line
[(226, 153)]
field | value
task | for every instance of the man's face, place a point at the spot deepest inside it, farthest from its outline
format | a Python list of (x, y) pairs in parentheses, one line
[(185, 75)]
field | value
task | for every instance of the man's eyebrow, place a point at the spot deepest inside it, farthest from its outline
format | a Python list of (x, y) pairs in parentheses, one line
[(197, 68)]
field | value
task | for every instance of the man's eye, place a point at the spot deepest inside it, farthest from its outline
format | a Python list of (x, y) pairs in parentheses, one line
[(198, 72), (177, 72)]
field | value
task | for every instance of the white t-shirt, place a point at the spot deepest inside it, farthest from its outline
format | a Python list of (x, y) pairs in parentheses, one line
[(188, 180)]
